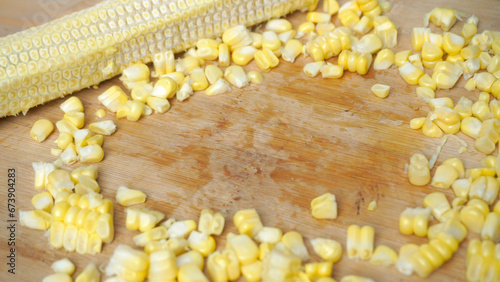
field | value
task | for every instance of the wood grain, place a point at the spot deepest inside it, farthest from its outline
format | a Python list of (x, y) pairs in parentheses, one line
[(273, 147)]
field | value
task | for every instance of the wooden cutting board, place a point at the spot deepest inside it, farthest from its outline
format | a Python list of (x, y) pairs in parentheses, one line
[(273, 146)]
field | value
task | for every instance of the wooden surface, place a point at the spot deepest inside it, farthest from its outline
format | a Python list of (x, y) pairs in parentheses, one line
[(273, 147)]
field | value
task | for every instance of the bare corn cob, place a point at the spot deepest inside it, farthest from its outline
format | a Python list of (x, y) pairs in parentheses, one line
[(85, 48)]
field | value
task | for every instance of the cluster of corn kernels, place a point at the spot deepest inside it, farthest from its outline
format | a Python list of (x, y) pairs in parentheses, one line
[(76, 214), (74, 143), (64, 268), (466, 54), (483, 260), (475, 208), (183, 249)]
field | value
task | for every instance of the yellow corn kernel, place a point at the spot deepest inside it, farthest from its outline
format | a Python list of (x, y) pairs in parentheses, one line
[(199, 79), (236, 37), (219, 87), (327, 249), (494, 64), (444, 176), (384, 256), (430, 129), (191, 257), (369, 43), (365, 249), (65, 126), (417, 123), (469, 29), (431, 52), (159, 105), (481, 110), (71, 215), (426, 81), (164, 88), (224, 57), (177, 245), (245, 249), (210, 222), (255, 77), (295, 243), (72, 104), (388, 33), (89, 274), (57, 277), (43, 201), (76, 118), (270, 235), (445, 75), (127, 197), (315, 270), (181, 228), (447, 119), (401, 57), (128, 263), (266, 59), (207, 53), (292, 49), (384, 59), (190, 272), (270, 40), (410, 73), (134, 75), (306, 27), (363, 26), (484, 60), (419, 36), (280, 264), (471, 126), (162, 266), (63, 266), (425, 93), (484, 81), (177, 76), (353, 241), (348, 17), (332, 71), (201, 242), (324, 207), (187, 64), (236, 76), (355, 278), (453, 43), (106, 127), (470, 52), (243, 55), (36, 219), (91, 153), (69, 237), (321, 29), (252, 271), (313, 69), (86, 185), (331, 7), (213, 73), (491, 227), (455, 59), (442, 17), (164, 63), (403, 264), (416, 60), (473, 215), (317, 17), (414, 221), (41, 129), (485, 188), (64, 140), (279, 25), (381, 90), (80, 136), (438, 203), (142, 218), (217, 266)]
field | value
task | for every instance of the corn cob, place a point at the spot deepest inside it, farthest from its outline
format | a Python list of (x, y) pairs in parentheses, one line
[(85, 48)]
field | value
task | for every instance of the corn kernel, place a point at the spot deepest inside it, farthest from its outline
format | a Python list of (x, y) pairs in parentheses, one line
[(191, 257), (201, 242), (417, 123), (445, 75), (332, 71), (190, 272), (255, 77), (295, 243), (36, 219), (57, 277), (381, 90), (317, 17), (384, 59), (266, 59), (63, 266), (106, 127), (410, 73), (324, 207), (219, 87), (327, 249), (292, 49), (384, 256), (401, 57), (90, 273), (414, 221), (438, 203), (242, 56), (213, 73), (236, 76)]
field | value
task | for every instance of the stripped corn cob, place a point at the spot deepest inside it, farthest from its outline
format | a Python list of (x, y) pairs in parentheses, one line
[(83, 49)]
